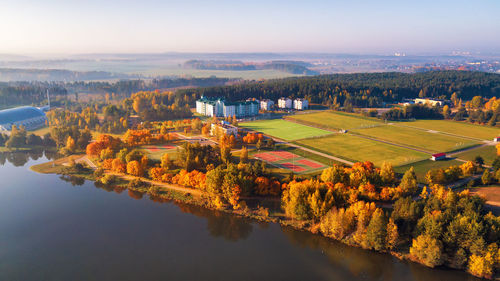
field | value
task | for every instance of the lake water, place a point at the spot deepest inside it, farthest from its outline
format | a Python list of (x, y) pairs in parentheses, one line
[(57, 229)]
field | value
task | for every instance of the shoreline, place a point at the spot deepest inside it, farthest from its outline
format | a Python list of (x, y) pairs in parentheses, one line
[(166, 193)]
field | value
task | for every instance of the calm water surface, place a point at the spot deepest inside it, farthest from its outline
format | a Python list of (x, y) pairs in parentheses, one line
[(52, 228)]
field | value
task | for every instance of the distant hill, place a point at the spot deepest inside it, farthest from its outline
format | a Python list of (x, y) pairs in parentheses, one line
[(21, 74), (294, 67)]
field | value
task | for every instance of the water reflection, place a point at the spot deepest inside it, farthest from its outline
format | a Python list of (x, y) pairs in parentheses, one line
[(123, 239), (19, 159), (75, 181), (220, 224)]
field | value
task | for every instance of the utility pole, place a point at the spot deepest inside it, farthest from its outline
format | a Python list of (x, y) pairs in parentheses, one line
[(48, 98)]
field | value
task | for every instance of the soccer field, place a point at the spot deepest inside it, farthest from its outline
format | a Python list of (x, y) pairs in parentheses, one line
[(335, 120), (456, 128), (356, 149), (284, 129), (489, 153), (416, 138)]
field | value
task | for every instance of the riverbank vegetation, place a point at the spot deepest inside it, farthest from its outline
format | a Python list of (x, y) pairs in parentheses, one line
[(434, 226)]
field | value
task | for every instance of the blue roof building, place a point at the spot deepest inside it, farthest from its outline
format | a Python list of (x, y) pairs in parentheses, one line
[(28, 116)]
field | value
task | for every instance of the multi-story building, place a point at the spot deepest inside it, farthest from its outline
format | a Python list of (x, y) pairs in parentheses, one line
[(221, 108), (300, 104), (285, 103), (223, 128), (266, 104)]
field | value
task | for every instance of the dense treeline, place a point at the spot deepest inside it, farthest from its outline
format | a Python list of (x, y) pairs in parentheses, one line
[(28, 93), (35, 93), (364, 89), (413, 111), (127, 87)]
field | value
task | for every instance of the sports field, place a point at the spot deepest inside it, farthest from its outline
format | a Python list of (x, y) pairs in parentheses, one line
[(284, 129), (156, 151), (416, 138), (335, 120), (488, 152), (422, 167), (290, 161), (456, 128), (355, 148)]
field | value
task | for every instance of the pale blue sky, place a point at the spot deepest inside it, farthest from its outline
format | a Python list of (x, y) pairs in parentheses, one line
[(355, 26)]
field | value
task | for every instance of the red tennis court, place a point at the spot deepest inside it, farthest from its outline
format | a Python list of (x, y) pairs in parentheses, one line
[(292, 167), (310, 163), (284, 154), (268, 157)]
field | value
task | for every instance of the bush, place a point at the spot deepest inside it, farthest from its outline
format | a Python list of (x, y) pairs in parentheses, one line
[(108, 179)]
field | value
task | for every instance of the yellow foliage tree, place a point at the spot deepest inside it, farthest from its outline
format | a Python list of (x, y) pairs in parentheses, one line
[(70, 144), (134, 168), (427, 251), (481, 266)]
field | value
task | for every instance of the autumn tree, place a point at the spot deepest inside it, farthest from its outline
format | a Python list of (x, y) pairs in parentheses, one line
[(70, 144), (139, 104), (486, 178), (244, 155), (392, 234), (376, 232), (387, 173), (118, 166), (427, 250), (482, 265), (409, 183), (17, 137), (259, 144), (134, 168), (446, 112)]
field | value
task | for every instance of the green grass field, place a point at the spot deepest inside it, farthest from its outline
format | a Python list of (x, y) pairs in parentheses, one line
[(456, 128), (335, 120), (489, 153), (422, 167), (284, 129), (416, 138), (355, 149)]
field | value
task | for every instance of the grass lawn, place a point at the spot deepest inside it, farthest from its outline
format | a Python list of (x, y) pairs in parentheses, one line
[(42, 131), (422, 167), (284, 129), (335, 120), (489, 153), (456, 128), (356, 149), (156, 154), (416, 138)]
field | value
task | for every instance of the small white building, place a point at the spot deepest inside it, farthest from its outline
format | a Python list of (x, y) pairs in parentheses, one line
[(266, 104), (432, 102), (285, 103), (224, 128), (300, 104), (438, 156)]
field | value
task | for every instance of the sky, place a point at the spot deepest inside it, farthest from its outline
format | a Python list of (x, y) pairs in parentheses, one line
[(335, 26)]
